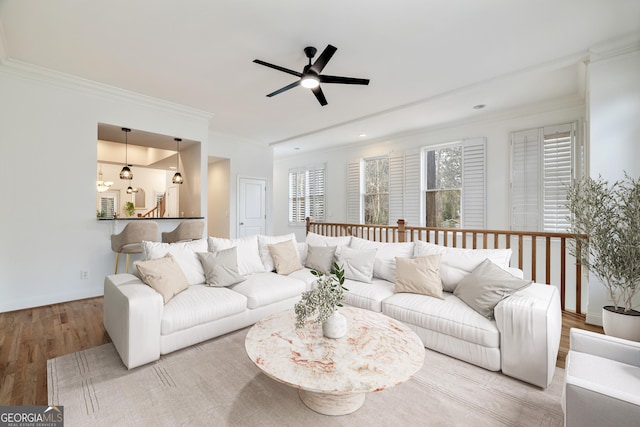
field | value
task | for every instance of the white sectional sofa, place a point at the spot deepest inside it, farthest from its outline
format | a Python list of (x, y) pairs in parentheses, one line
[(519, 336)]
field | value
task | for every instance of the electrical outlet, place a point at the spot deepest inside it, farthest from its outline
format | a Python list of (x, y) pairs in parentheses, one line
[(84, 274)]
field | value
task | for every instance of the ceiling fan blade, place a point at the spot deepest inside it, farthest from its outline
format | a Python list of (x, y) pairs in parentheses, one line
[(287, 87), (277, 67), (317, 91), (324, 57), (343, 80)]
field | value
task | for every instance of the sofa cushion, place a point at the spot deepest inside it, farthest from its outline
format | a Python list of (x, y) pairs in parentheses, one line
[(184, 254), (314, 239), (419, 275), (266, 288), (486, 286), (285, 257), (357, 263), (164, 275), (449, 316), (248, 253), (367, 295), (320, 258), (384, 266), (198, 305), (221, 268), (456, 263), (305, 276), (265, 253)]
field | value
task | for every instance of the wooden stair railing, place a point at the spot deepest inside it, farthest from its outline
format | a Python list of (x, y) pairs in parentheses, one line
[(553, 250), (159, 210)]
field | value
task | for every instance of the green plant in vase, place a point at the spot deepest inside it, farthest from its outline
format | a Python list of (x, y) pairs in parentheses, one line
[(129, 209), (324, 299)]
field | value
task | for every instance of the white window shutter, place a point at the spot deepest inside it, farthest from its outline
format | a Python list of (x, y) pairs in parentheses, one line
[(558, 172), (353, 193), (474, 183), (412, 190), (525, 176), (315, 193), (396, 187)]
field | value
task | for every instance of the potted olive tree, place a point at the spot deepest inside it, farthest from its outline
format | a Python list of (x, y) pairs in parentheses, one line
[(605, 220)]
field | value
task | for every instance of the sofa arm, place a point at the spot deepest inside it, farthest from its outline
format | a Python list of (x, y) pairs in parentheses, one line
[(530, 324), (132, 317), (618, 349)]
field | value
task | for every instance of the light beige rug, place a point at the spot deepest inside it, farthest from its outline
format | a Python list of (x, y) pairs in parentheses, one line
[(215, 384)]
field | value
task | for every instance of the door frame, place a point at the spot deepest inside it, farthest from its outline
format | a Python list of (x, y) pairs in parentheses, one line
[(266, 202)]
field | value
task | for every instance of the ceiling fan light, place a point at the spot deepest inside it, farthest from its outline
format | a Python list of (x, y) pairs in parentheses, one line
[(310, 82), (177, 178)]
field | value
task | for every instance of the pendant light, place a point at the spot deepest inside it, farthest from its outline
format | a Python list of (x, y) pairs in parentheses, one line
[(126, 173), (177, 178)]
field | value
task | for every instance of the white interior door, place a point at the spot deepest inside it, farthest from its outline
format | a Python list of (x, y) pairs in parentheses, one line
[(252, 206), (172, 202)]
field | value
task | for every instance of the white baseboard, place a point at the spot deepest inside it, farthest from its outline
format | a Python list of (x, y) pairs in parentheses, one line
[(40, 300)]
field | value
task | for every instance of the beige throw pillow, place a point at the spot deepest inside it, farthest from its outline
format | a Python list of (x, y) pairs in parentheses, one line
[(285, 257), (486, 286), (419, 276), (164, 275)]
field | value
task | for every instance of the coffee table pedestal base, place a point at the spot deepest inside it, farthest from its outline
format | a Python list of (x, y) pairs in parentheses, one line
[(332, 404)]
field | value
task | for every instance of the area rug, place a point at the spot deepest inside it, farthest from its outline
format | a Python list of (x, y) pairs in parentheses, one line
[(215, 384)]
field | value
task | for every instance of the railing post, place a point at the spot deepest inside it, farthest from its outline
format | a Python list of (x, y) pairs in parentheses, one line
[(307, 221), (401, 236)]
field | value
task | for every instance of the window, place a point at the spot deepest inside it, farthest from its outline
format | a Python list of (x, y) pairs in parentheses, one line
[(306, 194), (376, 190), (108, 203), (443, 185), (543, 164)]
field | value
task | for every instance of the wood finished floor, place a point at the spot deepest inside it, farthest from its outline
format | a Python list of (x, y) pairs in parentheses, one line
[(29, 337)]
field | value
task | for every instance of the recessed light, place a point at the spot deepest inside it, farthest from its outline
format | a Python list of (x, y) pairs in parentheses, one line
[(479, 107), (362, 135), (296, 148)]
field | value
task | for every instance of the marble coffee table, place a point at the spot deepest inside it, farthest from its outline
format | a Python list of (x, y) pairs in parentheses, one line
[(333, 375)]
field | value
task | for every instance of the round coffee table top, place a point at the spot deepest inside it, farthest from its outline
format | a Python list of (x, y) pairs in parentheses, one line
[(377, 352)]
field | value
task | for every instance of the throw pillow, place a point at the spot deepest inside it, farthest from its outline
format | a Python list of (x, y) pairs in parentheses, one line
[(384, 266), (183, 252), (248, 252), (314, 239), (419, 276), (486, 286), (164, 275), (456, 263), (221, 268), (357, 263), (320, 258), (285, 257), (263, 248)]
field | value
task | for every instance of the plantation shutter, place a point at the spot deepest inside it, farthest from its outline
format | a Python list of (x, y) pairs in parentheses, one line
[(412, 194), (474, 183), (525, 176), (108, 205), (353, 193), (316, 190), (296, 196), (558, 172), (396, 187)]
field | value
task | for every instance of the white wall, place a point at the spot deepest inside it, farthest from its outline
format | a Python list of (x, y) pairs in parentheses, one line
[(48, 226), (614, 116), (246, 160), (495, 128)]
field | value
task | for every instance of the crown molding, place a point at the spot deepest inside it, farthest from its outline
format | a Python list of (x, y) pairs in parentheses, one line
[(23, 70), (614, 48)]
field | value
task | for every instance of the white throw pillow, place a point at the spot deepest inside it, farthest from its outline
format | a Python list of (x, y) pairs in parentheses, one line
[(357, 263), (384, 266), (263, 248), (457, 263), (185, 254), (248, 253), (314, 239)]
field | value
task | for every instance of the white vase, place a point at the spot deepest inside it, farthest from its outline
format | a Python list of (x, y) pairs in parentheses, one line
[(621, 325), (335, 326)]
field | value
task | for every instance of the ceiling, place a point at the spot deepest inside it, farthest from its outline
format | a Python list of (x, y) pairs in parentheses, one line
[(429, 61)]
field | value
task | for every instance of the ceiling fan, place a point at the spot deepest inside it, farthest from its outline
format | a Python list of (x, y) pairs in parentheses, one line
[(310, 76)]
